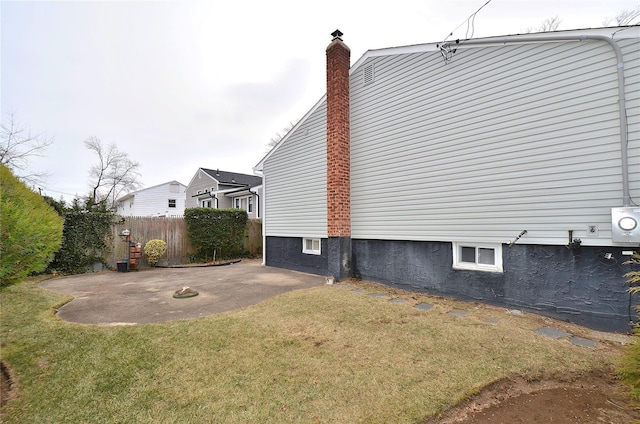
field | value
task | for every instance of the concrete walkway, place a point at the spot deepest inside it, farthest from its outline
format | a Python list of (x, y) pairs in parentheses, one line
[(141, 297)]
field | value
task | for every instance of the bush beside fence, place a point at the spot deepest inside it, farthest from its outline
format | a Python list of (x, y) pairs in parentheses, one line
[(173, 230)]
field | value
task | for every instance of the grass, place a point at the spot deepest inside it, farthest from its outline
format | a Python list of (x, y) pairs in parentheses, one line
[(319, 355)]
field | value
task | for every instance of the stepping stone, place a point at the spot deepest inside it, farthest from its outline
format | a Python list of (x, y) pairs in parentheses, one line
[(345, 286), (579, 341), (551, 332), (424, 306), (398, 300), (458, 313), (358, 291), (378, 295), (490, 320)]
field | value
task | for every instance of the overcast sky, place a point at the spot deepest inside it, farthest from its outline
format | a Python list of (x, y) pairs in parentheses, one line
[(180, 85)]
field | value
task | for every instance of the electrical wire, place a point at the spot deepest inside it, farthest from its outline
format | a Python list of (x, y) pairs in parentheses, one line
[(470, 21), (445, 48)]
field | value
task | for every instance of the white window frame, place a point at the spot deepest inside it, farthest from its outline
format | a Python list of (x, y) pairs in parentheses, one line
[(175, 203), (311, 251), (250, 204), (206, 203), (476, 266)]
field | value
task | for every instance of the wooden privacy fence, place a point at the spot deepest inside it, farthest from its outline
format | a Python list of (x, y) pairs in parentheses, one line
[(173, 230)]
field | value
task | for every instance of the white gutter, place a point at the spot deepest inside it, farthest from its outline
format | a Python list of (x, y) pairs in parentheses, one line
[(622, 109)]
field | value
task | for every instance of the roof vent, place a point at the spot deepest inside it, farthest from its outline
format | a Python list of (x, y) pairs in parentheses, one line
[(367, 74)]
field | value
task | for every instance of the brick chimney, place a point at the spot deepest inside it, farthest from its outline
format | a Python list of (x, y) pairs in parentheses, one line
[(338, 159)]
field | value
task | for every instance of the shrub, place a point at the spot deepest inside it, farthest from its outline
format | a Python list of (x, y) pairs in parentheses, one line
[(630, 369), (219, 229), (87, 236), (30, 230), (154, 249)]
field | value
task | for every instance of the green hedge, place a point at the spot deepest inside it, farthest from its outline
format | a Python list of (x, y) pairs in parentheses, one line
[(219, 229), (87, 236), (30, 230)]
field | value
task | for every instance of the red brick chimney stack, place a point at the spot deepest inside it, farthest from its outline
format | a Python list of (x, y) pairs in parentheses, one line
[(338, 159), (338, 130)]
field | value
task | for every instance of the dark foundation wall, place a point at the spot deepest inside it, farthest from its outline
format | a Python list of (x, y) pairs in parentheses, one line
[(286, 252), (579, 286)]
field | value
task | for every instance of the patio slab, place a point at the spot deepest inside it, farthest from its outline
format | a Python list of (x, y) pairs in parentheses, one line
[(146, 296)]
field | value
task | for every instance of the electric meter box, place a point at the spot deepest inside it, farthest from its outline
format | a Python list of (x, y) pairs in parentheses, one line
[(625, 224)]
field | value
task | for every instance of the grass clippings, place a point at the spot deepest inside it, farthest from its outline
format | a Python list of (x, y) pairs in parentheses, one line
[(318, 355)]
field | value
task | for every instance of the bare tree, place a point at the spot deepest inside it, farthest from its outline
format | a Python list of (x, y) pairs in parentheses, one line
[(18, 146), (114, 173), (280, 135), (625, 17), (549, 24)]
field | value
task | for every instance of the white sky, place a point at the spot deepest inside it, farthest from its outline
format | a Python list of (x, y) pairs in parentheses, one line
[(180, 85)]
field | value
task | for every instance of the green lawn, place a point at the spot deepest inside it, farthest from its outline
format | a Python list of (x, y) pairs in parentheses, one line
[(320, 355)]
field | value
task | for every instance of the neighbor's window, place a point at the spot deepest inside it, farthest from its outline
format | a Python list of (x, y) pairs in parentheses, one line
[(206, 203), (480, 257), (250, 204), (172, 203), (237, 202), (311, 246)]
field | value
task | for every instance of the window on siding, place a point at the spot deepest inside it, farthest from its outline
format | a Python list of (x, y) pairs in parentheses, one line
[(479, 257), (250, 204), (206, 203), (311, 246), (172, 203), (236, 202)]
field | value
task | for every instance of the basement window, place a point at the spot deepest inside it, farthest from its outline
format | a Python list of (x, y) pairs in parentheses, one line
[(477, 257), (311, 246)]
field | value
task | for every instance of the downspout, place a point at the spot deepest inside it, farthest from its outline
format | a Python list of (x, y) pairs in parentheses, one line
[(264, 218), (624, 141), (257, 203)]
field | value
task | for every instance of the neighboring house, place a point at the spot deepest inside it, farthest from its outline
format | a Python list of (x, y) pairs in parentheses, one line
[(212, 188), (504, 170), (166, 199)]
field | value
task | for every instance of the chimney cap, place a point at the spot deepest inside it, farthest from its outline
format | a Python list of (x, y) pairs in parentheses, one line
[(337, 34)]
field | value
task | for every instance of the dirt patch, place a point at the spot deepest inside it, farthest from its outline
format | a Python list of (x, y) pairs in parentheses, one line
[(6, 385), (595, 397)]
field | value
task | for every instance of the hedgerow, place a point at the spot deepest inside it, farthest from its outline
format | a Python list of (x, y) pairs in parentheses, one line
[(30, 230), (221, 230), (87, 236)]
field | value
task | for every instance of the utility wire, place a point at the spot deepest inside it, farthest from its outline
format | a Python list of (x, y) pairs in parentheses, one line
[(470, 21), (445, 49)]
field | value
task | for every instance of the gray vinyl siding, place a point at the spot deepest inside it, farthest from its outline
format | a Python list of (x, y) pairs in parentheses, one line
[(632, 75), (501, 139), (295, 184)]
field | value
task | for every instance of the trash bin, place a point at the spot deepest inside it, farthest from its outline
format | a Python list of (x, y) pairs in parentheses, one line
[(122, 266)]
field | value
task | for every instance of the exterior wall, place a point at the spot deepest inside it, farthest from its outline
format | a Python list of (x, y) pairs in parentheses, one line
[(286, 252), (631, 51), (295, 183), (200, 182), (501, 139), (580, 286), (256, 210), (154, 201)]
